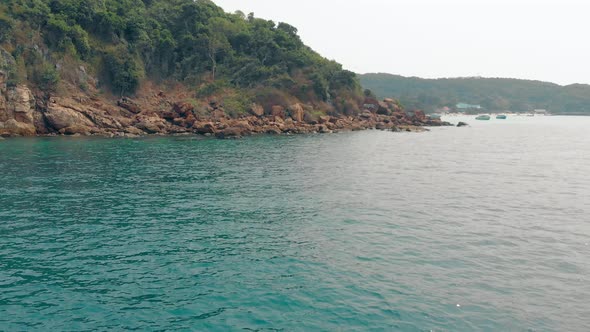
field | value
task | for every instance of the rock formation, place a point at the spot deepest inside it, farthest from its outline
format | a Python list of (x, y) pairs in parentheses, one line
[(24, 112)]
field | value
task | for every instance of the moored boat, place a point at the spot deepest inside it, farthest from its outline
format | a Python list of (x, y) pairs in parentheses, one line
[(483, 117), (501, 117)]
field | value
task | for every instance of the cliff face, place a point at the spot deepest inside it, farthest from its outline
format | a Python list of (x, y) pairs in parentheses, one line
[(17, 104), (21, 114)]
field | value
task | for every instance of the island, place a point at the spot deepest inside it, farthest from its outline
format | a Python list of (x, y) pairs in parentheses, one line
[(132, 68)]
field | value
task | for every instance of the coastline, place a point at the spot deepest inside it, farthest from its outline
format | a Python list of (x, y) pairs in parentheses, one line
[(24, 114)]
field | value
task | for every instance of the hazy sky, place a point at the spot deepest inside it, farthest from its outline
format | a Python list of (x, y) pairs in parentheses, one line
[(535, 39)]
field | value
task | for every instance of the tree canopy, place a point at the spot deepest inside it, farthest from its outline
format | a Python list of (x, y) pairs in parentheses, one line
[(194, 42)]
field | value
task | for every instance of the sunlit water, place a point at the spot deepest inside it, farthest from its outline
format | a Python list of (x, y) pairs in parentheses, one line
[(485, 228)]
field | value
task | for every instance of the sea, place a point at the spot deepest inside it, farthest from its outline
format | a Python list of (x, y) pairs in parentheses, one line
[(480, 228)]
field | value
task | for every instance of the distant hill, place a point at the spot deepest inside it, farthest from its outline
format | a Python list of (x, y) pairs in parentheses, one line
[(492, 94)]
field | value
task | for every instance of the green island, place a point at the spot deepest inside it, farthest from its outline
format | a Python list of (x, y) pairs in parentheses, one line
[(490, 94), (132, 67)]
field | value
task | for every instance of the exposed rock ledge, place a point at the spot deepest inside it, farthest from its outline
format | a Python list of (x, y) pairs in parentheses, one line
[(21, 114)]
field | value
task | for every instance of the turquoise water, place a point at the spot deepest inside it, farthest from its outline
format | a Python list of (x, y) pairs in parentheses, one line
[(484, 228)]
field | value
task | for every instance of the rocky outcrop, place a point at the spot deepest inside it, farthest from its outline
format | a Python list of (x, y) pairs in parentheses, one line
[(67, 120), (17, 107), (278, 111), (129, 105), (17, 103), (257, 110), (22, 113), (297, 112)]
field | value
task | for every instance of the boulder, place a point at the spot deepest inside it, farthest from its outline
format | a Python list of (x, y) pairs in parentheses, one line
[(183, 109), (273, 130), (399, 115), (419, 115), (231, 132), (278, 111), (383, 109), (366, 114), (203, 128), (129, 105), (242, 124), (133, 131), (59, 117), (462, 124), (323, 129), (297, 112), (16, 128), (151, 125), (324, 119), (75, 130), (24, 103), (256, 110), (148, 127), (383, 126)]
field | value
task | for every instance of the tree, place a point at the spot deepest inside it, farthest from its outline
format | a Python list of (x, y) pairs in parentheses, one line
[(123, 71), (217, 41), (6, 26)]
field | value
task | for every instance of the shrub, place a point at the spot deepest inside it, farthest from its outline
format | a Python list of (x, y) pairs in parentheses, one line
[(123, 71), (6, 26), (46, 77)]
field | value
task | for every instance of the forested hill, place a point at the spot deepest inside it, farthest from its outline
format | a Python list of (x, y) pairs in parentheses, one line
[(493, 94), (118, 47)]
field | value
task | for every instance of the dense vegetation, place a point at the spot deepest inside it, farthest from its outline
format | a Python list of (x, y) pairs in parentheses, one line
[(126, 42), (493, 94)]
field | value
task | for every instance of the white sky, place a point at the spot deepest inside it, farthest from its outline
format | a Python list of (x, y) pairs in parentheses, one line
[(546, 40)]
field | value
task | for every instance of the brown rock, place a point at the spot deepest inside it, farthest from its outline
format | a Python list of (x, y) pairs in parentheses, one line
[(383, 109), (323, 129), (232, 132), (15, 128), (257, 110), (242, 124), (148, 127), (129, 105), (366, 114), (324, 119), (17, 111), (383, 126), (273, 130), (75, 130), (151, 125), (297, 112), (419, 115), (203, 128), (278, 112), (183, 109), (134, 131), (59, 117)]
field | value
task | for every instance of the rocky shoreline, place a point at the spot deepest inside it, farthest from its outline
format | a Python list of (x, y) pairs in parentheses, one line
[(24, 114)]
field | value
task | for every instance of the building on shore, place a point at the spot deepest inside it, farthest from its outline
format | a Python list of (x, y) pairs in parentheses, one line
[(540, 112), (466, 107)]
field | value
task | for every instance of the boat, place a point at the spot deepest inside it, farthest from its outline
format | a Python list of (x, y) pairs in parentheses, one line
[(483, 117), (501, 117), (434, 116)]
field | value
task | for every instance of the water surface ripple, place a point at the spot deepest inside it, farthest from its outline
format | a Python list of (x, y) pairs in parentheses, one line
[(484, 228)]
